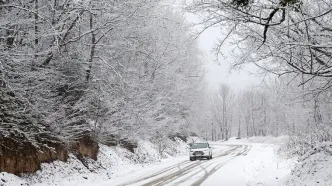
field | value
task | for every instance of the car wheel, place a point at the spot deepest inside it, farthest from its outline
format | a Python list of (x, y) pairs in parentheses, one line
[(191, 159)]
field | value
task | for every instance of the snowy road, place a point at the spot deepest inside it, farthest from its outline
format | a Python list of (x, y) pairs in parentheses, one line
[(235, 162), (185, 172)]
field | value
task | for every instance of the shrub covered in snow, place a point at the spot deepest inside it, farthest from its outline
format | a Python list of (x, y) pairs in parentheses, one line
[(300, 144)]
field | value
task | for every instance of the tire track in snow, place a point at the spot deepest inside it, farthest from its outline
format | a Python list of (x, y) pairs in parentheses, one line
[(243, 151), (175, 172), (157, 173), (181, 173)]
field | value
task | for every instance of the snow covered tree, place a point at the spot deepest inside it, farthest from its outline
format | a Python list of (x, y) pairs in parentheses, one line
[(100, 67), (281, 37)]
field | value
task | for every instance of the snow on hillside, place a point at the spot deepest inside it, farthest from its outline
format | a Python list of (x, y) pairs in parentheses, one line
[(10, 179), (314, 168), (112, 162)]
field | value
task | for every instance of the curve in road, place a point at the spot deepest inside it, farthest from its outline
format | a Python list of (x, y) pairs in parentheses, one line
[(187, 171)]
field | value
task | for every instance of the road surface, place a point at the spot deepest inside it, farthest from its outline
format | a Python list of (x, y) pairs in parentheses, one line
[(187, 172)]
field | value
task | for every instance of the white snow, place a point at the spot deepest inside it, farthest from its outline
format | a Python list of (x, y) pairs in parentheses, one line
[(244, 162), (112, 162), (258, 140), (143, 175), (314, 168), (261, 166), (10, 180)]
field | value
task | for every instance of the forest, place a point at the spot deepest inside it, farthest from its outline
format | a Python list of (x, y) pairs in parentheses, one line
[(75, 74), (78, 73), (290, 42)]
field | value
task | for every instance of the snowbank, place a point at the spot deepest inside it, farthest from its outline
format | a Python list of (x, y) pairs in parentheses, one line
[(314, 168), (112, 162), (259, 139), (263, 165), (10, 179), (269, 139), (260, 167)]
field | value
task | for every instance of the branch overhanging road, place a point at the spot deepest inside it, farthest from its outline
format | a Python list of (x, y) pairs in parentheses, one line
[(192, 172)]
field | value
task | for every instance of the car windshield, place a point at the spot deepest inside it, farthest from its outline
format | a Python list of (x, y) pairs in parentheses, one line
[(199, 145)]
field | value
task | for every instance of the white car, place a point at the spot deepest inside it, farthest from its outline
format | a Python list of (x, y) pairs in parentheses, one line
[(200, 150)]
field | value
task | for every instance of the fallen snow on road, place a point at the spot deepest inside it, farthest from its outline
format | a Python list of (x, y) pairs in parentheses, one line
[(235, 162), (245, 162), (169, 169), (261, 166)]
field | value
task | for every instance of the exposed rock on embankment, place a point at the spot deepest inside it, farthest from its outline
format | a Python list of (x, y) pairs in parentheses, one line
[(25, 143)]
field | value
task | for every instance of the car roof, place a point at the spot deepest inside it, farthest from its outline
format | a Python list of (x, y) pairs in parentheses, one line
[(200, 142)]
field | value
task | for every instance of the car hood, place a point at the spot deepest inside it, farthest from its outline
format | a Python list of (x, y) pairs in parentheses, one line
[(202, 149)]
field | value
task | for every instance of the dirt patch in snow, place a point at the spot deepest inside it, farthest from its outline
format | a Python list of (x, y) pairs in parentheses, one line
[(19, 155)]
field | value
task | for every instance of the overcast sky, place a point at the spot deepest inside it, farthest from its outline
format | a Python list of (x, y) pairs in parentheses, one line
[(219, 72)]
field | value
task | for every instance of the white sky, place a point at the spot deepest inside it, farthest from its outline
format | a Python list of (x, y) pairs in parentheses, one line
[(219, 73)]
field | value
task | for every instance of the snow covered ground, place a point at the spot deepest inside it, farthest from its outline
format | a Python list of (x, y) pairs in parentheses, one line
[(236, 162), (314, 168), (112, 162), (261, 166), (245, 162)]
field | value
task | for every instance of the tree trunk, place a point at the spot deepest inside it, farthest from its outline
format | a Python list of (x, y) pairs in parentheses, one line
[(92, 51), (36, 23), (239, 130)]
